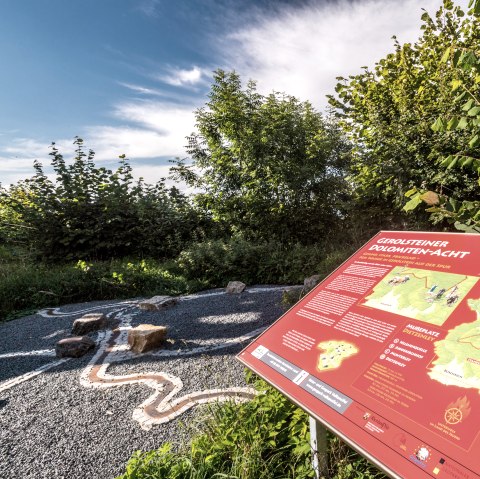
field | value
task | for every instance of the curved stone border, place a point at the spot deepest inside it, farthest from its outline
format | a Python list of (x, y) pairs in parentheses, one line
[(160, 407)]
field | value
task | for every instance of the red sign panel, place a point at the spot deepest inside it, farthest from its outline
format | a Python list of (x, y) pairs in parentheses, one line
[(386, 353)]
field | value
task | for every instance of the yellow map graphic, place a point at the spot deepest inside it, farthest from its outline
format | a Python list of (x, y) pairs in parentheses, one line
[(334, 354), (429, 296), (458, 355)]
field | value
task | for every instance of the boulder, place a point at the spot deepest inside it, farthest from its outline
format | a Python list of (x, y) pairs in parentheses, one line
[(89, 323), (291, 295), (74, 346), (157, 303), (235, 287), (146, 337), (310, 282)]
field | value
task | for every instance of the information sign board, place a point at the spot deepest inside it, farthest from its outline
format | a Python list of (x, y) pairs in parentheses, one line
[(385, 352)]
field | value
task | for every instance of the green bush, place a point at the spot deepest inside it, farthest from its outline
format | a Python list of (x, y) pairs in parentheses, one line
[(268, 166), (218, 261), (388, 111), (91, 212), (26, 286), (266, 438)]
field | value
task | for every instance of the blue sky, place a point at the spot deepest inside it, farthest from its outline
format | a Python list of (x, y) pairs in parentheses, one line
[(126, 75)]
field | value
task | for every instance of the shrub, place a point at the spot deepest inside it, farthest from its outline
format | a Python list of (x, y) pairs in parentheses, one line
[(95, 213), (217, 261), (266, 438)]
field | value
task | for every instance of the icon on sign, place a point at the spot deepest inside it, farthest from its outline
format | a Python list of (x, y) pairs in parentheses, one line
[(382, 356), (396, 341), (391, 346), (421, 455), (387, 351), (457, 411), (366, 416), (259, 352)]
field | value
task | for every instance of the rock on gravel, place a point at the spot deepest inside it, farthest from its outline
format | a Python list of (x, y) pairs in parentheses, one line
[(74, 347), (145, 337), (158, 303), (89, 323)]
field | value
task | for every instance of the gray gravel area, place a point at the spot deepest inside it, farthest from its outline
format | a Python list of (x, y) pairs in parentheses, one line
[(53, 427)]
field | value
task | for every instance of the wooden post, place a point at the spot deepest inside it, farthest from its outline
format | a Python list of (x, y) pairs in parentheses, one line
[(318, 445)]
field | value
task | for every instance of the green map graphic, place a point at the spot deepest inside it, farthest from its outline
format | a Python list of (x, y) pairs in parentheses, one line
[(458, 355), (429, 296)]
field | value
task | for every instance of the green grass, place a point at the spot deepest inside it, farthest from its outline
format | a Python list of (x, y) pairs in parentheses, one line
[(26, 287), (266, 438)]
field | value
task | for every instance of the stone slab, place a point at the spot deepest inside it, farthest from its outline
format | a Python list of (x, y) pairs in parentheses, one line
[(146, 337), (235, 287), (158, 303), (89, 323)]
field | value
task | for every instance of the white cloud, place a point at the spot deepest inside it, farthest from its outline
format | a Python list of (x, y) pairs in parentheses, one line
[(180, 77), (160, 129), (150, 130), (18, 156), (165, 118), (142, 90), (14, 169), (151, 173), (149, 7), (301, 51)]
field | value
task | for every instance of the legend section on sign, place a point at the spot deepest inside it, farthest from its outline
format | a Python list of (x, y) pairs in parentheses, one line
[(322, 391)]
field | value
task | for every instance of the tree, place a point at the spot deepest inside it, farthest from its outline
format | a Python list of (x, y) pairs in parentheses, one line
[(388, 112), (270, 166), (465, 65)]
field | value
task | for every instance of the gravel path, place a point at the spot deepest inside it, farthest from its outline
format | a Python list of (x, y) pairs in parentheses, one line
[(53, 426)]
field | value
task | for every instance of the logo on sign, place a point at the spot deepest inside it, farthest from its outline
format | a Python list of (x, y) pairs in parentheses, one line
[(421, 456), (457, 411)]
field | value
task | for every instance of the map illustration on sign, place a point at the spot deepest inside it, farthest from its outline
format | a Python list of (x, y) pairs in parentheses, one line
[(385, 352), (428, 296), (334, 354), (458, 355)]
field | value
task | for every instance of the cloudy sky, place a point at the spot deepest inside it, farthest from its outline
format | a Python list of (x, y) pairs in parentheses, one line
[(127, 75)]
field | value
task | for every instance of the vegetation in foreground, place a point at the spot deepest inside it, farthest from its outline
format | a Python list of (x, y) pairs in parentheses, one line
[(267, 438)]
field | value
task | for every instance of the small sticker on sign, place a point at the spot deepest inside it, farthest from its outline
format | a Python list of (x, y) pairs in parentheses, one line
[(259, 352)]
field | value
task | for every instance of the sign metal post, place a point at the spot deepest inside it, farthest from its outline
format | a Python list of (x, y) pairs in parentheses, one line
[(318, 445)]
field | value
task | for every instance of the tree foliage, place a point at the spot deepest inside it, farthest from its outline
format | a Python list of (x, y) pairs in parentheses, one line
[(387, 112), (93, 212), (464, 63), (270, 166)]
